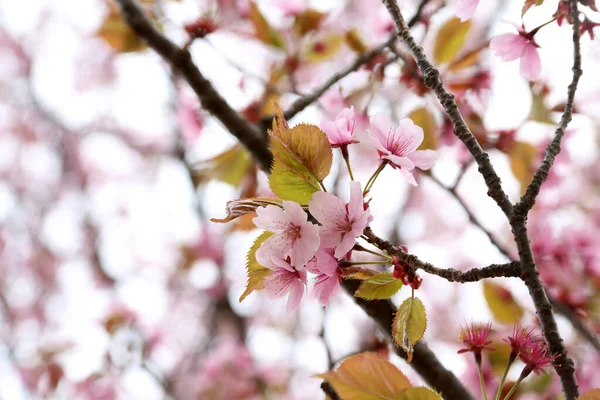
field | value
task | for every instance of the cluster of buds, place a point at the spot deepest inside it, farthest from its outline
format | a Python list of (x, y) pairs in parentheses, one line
[(403, 272)]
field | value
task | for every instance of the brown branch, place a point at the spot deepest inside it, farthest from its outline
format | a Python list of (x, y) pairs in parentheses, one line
[(509, 270), (181, 60), (553, 148), (431, 77), (424, 361), (330, 391), (563, 364), (579, 326)]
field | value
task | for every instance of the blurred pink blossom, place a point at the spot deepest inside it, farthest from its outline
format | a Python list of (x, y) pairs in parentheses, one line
[(511, 46), (466, 9)]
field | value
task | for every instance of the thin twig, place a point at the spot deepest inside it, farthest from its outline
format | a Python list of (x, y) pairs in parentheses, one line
[(181, 60), (511, 269), (431, 78), (363, 59)]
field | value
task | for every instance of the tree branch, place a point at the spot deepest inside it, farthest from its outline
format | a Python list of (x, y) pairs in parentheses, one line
[(424, 361), (181, 60), (563, 364), (431, 77), (553, 148), (512, 269)]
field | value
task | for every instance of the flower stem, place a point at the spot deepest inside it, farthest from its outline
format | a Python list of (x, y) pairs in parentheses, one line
[(369, 262), (481, 381), (375, 253), (344, 150), (512, 389), (535, 30), (373, 177), (510, 361)]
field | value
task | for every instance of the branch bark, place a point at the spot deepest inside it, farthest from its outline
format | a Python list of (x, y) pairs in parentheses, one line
[(181, 61), (431, 77)]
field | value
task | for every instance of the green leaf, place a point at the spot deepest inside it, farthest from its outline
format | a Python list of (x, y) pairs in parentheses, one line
[(302, 159), (450, 39), (230, 167), (419, 393), (358, 273), (263, 30), (239, 207), (409, 325), (367, 376), (502, 304), (256, 272), (381, 286)]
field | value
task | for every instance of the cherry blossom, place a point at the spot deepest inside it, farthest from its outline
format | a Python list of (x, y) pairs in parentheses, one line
[(399, 145), (327, 282), (294, 236), (466, 8), (521, 339), (475, 337), (342, 222), (511, 46), (285, 279), (340, 131), (536, 358)]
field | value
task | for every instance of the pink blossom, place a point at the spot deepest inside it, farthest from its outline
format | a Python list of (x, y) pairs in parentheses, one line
[(340, 131), (294, 236), (466, 9), (341, 223), (475, 336), (399, 145), (285, 279), (511, 46), (327, 282)]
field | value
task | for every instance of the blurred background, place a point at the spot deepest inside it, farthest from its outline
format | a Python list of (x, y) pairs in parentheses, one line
[(114, 284)]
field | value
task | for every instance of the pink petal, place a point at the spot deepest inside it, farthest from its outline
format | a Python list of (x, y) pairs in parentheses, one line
[(330, 130), (270, 218), (327, 208), (275, 246), (325, 287), (423, 159), (330, 236), (356, 205), (278, 284), (466, 9), (294, 214), (303, 249), (509, 46), (408, 176), (531, 65), (403, 162), (295, 296), (345, 245), (381, 128), (407, 137)]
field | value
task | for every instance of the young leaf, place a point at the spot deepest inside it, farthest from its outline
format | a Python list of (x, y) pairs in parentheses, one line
[(530, 3), (115, 31), (256, 272), (366, 376), (418, 393), (409, 325), (355, 41), (502, 303), (308, 21), (424, 118), (302, 158), (380, 286), (522, 157), (231, 167), (239, 207), (358, 273), (263, 30), (592, 394), (323, 49), (450, 39)]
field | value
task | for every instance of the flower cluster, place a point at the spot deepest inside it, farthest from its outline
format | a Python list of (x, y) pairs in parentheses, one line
[(524, 344), (299, 245)]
